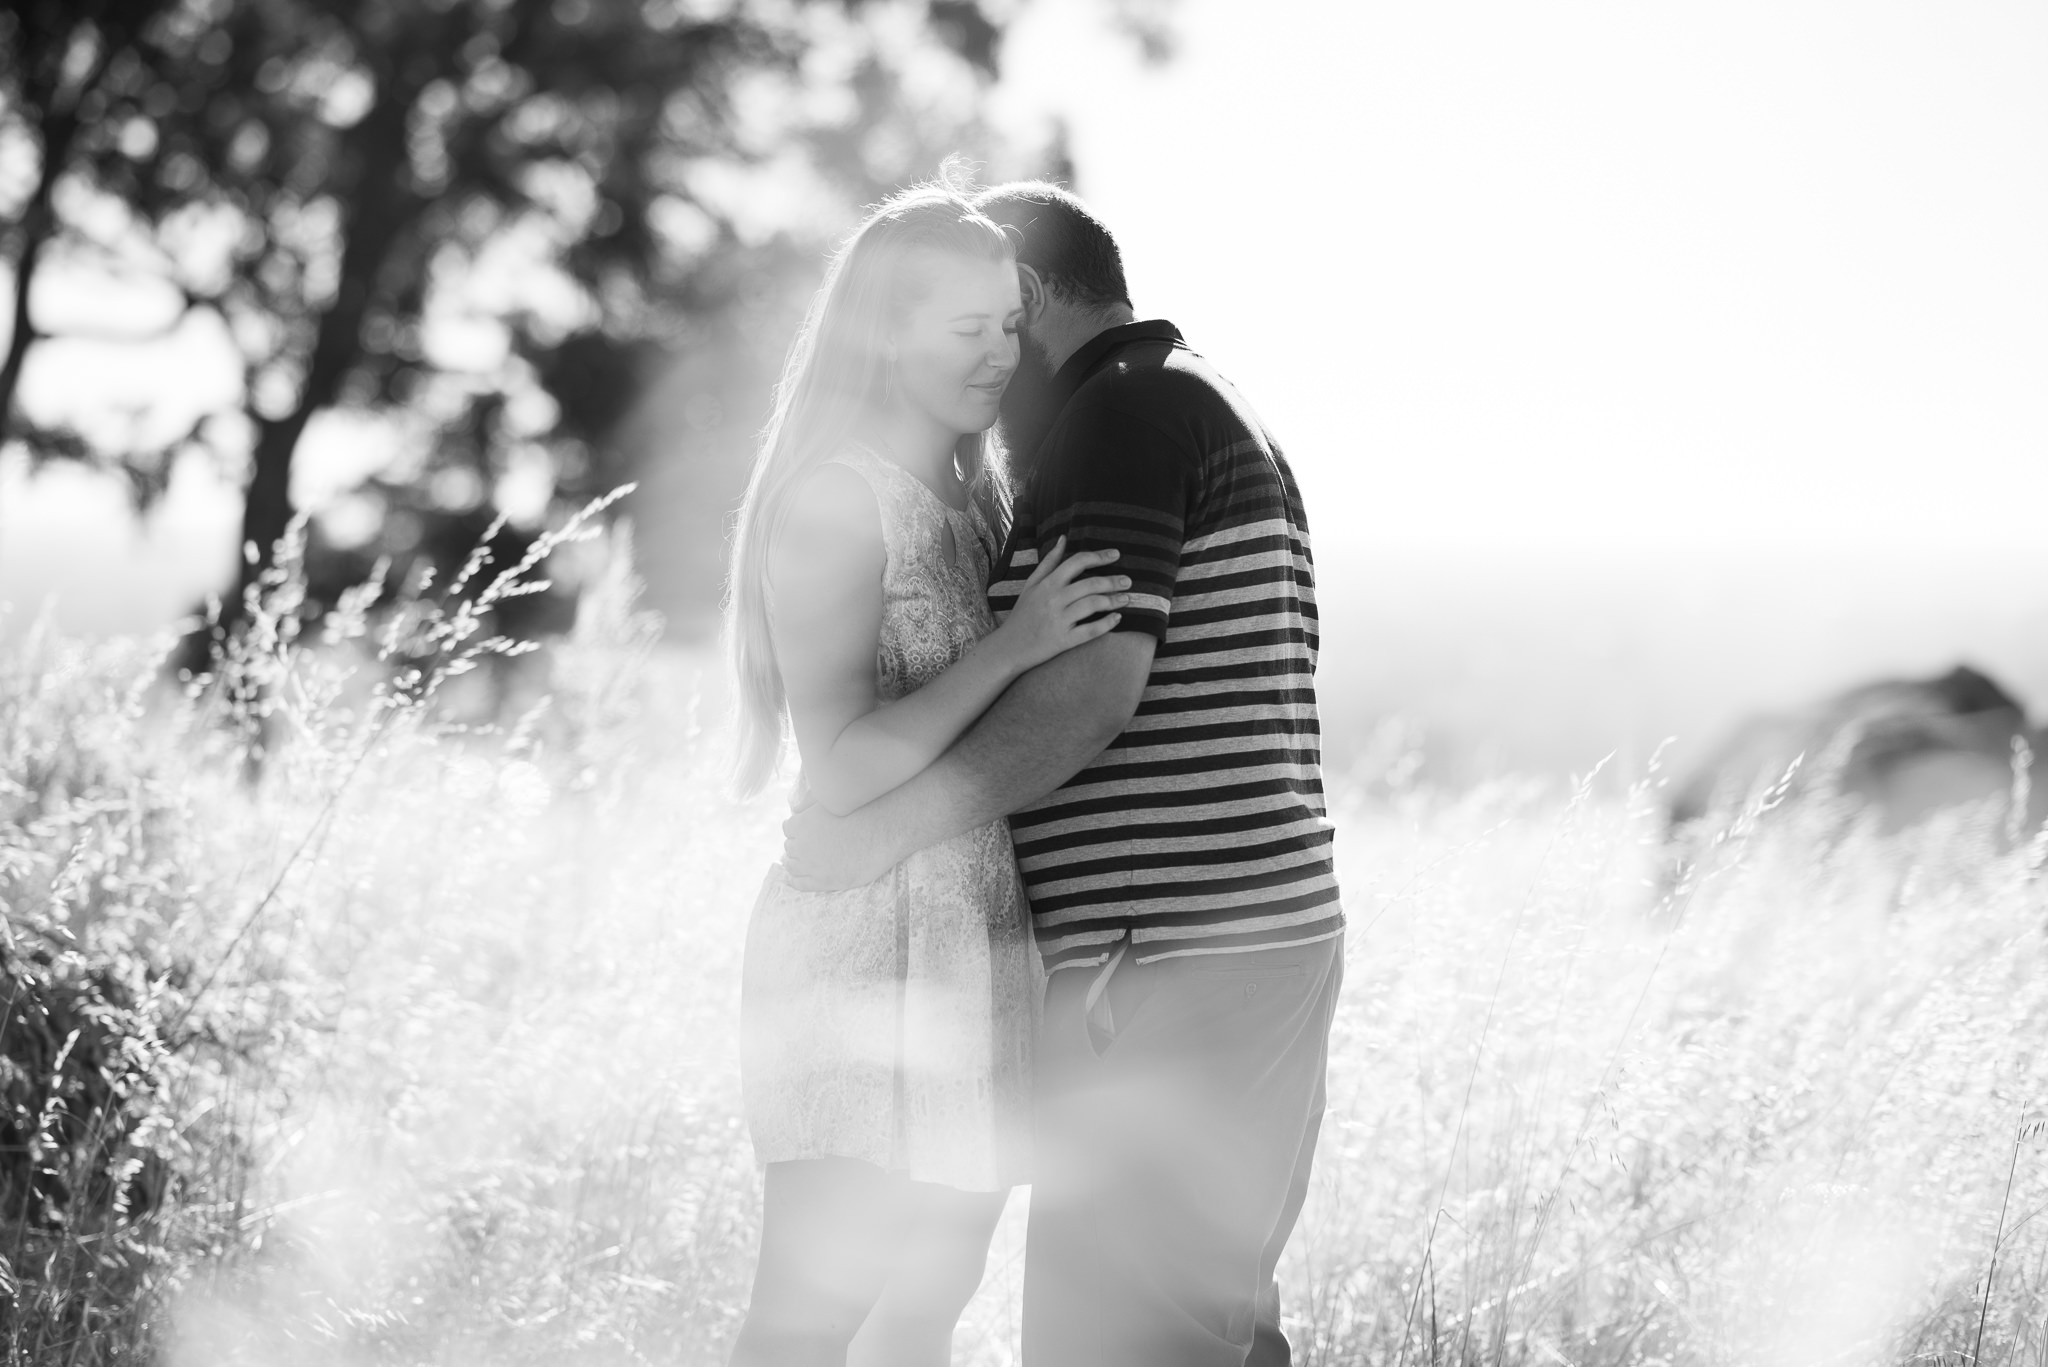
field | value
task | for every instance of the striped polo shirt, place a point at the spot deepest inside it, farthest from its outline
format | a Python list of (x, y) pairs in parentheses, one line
[(1202, 828)]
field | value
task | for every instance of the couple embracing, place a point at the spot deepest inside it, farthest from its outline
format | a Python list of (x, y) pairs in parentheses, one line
[(1056, 904)]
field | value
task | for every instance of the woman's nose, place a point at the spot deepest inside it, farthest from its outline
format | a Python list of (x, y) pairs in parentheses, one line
[(1003, 356)]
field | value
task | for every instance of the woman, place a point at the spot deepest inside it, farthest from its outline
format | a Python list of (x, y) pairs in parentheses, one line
[(886, 1029)]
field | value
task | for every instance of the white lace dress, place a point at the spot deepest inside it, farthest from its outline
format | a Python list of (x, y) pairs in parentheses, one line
[(892, 1023)]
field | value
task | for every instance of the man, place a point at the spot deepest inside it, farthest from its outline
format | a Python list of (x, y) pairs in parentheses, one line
[(1164, 790)]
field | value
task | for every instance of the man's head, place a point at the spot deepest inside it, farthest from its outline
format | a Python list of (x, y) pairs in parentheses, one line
[(1071, 279), (1064, 244)]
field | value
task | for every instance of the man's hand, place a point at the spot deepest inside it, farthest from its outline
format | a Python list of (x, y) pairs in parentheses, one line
[(824, 853)]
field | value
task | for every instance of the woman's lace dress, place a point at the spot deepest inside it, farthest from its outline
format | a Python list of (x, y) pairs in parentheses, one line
[(893, 1022)]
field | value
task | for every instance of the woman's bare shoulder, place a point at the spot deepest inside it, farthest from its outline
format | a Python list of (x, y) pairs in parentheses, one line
[(834, 527), (832, 495)]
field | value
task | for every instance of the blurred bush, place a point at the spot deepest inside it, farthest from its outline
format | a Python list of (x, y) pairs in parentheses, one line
[(102, 1055), (154, 989)]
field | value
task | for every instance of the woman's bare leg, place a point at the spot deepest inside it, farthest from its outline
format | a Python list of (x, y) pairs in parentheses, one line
[(830, 1230), (939, 1260)]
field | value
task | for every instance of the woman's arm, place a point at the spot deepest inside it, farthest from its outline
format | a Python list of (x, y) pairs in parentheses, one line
[(1038, 735), (825, 573)]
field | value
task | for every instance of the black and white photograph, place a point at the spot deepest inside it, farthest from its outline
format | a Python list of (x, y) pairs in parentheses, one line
[(1023, 683)]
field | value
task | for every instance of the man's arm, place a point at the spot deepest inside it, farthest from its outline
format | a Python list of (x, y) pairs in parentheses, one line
[(1043, 730)]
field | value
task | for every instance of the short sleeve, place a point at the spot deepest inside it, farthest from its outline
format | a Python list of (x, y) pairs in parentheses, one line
[(1114, 481)]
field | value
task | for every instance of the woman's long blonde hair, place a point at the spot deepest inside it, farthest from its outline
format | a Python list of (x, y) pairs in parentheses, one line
[(835, 376)]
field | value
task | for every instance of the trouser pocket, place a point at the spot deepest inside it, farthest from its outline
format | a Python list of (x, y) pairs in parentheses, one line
[(1246, 981)]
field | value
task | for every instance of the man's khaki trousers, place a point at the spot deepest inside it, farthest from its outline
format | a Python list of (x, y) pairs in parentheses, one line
[(1177, 1109)]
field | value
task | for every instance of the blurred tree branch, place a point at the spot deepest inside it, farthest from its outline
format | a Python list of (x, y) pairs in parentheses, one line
[(55, 60)]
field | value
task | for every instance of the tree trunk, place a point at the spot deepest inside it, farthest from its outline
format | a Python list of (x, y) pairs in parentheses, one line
[(36, 231), (384, 210), (267, 506)]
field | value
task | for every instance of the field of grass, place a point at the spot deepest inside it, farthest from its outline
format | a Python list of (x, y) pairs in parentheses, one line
[(417, 1045)]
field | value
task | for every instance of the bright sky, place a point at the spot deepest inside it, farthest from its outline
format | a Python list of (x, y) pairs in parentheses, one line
[(1609, 270), (1644, 364), (1666, 292)]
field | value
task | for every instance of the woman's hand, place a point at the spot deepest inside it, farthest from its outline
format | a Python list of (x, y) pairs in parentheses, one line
[(1051, 616)]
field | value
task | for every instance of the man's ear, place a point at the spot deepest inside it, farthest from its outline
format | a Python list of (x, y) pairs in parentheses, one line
[(1032, 291)]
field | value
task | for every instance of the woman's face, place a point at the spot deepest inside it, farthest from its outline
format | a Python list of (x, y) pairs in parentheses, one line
[(956, 347)]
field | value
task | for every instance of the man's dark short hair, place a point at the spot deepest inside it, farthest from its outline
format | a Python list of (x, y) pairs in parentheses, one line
[(1067, 245)]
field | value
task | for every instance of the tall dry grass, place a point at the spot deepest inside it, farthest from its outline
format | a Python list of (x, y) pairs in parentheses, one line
[(415, 1041)]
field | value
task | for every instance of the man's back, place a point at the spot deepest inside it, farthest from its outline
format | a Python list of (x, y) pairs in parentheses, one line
[(1202, 828)]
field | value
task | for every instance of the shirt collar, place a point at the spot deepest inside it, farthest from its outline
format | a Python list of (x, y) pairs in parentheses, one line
[(1098, 349)]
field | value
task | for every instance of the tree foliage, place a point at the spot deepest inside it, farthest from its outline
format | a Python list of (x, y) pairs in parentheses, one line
[(533, 245)]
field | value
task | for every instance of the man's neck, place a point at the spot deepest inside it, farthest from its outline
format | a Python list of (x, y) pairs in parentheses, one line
[(1063, 336)]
